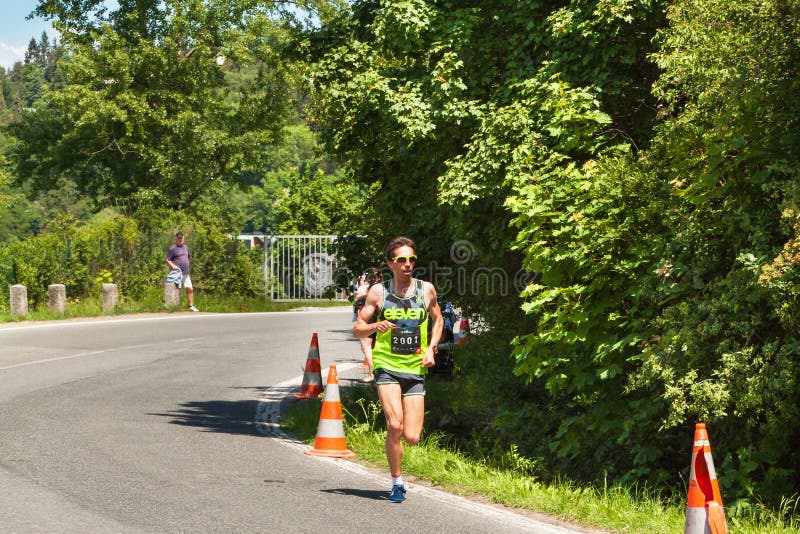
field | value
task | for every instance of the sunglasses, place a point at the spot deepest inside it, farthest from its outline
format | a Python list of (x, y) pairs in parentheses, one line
[(404, 259)]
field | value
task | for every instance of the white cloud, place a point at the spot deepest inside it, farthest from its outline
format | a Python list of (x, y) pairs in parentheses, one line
[(11, 54)]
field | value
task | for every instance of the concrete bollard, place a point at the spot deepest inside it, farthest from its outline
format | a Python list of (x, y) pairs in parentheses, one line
[(19, 299), (57, 297), (172, 295), (109, 297)]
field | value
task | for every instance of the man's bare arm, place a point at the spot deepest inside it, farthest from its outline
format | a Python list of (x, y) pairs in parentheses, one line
[(362, 327), (435, 314)]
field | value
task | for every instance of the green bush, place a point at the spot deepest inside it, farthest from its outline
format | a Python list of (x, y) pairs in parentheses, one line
[(129, 252)]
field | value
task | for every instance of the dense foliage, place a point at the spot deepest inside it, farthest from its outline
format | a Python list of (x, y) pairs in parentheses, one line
[(129, 252), (183, 105), (609, 186), (149, 117), (25, 83), (632, 163)]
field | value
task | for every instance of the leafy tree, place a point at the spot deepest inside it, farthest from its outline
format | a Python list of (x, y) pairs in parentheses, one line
[(316, 203), (33, 53), (13, 91), (25, 83), (33, 83), (402, 90), (46, 55), (145, 105), (664, 246), (4, 183), (728, 150), (295, 168), (5, 112)]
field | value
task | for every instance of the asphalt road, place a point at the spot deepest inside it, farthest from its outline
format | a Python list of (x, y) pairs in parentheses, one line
[(163, 424)]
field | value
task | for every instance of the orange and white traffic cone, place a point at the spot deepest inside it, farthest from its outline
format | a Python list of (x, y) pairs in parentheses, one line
[(463, 331), (704, 512), (330, 440), (311, 386)]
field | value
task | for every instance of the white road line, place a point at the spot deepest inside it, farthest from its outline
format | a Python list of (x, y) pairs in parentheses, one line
[(268, 423), (268, 411), (94, 352), (191, 316)]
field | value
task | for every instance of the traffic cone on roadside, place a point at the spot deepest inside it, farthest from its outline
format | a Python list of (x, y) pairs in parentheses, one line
[(704, 512), (311, 386), (463, 331), (330, 440)]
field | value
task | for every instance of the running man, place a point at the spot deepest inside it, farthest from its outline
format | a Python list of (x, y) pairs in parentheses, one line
[(404, 308)]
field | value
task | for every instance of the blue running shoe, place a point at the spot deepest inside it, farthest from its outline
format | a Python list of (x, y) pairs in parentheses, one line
[(398, 493)]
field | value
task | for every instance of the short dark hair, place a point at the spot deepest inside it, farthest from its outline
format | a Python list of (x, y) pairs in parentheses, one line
[(398, 242), (179, 234)]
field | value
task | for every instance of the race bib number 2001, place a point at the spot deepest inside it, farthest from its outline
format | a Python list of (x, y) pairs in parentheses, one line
[(405, 340)]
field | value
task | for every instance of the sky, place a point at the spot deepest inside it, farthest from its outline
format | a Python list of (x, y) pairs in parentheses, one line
[(16, 32)]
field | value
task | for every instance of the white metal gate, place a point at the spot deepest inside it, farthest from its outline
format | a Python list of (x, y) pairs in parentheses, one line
[(301, 267)]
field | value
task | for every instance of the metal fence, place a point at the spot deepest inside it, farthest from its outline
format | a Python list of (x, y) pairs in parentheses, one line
[(301, 267)]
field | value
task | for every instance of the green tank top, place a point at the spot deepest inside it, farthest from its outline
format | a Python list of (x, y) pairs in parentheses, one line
[(401, 349)]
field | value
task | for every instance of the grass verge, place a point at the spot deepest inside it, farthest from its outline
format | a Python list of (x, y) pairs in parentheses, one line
[(439, 462)]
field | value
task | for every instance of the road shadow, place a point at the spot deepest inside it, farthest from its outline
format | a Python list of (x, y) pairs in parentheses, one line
[(239, 417), (376, 495), (229, 417), (348, 332)]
